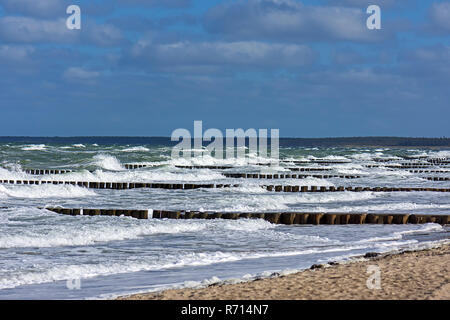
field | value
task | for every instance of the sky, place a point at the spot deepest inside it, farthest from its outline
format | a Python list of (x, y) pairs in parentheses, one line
[(148, 67)]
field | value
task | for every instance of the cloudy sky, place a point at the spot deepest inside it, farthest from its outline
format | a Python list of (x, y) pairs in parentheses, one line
[(147, 67)]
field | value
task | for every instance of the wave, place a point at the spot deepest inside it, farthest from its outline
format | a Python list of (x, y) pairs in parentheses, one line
[(168, 261), (328, 158), (45, 191), (398, 235), (35, 147), (108, 162), (12, 172), (248, 202), (142, 176), (336, 197), (439, 154), (92, 230), (208, 160), (136, 149)]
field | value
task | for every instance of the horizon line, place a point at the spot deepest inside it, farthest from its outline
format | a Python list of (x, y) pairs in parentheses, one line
[(168, 137)]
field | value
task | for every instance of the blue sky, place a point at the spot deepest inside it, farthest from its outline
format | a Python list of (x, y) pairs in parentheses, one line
[(147, 67)]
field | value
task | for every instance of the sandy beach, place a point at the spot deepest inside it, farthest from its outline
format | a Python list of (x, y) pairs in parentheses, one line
[(416, 275)]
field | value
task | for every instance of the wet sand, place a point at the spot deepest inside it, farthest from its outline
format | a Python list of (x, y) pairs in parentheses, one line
[(410, 275)]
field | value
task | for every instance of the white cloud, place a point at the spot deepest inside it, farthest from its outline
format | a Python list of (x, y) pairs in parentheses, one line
[(440, 15), (240, 53), (289, 20), (29, 30), (15, 53), (80, 74), (365, 3), (101, 34), (36, 8), (15, 29), (158, 3)]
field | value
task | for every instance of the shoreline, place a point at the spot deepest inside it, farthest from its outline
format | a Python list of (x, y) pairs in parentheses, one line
[(410, 275)]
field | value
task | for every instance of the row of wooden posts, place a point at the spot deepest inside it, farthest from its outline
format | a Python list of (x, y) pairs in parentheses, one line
[(316, 161), (410, 166), (287, 218), (139, 166), (299, 169), (438, 178), (188, 186), (439, 161), (229, 175), (266, 176), (424, 162), (46, 171), (285, 176), (429, 171)]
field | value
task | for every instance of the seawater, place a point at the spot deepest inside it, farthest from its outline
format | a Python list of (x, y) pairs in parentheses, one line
[(43, 254)]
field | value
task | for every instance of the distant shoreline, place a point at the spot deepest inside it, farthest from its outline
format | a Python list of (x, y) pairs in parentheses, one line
[(343, 142), (412, 275)]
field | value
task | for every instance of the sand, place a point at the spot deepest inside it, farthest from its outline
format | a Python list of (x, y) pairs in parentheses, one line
[(409, 275)]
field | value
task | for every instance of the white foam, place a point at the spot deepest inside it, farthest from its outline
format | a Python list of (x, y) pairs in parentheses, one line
[(208, 160), (34, 147), (45, 191), (108, 162), (251, 203), (439, 154), (144, 263), (14, 173), (253, 188), (136, 149), (330, 157), (429, 227), (86, 231), (336, 197), (141, 176), (398, 235)]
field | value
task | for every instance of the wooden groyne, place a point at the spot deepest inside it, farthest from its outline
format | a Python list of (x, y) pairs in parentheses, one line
[(285, 176), (287, 218), (411, 166), (438, 178), (418, 166), (46, 171), (120, 185), (308, 169), (295, 169), (189, 186), (136, 166), (318, 161), (429, 171), (438, 161), (139, 166), (205, 167)]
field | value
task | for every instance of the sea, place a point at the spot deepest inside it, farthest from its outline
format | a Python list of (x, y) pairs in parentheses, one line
[(45, 255)]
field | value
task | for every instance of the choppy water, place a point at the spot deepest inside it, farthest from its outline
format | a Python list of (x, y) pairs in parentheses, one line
[(40, 250)]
